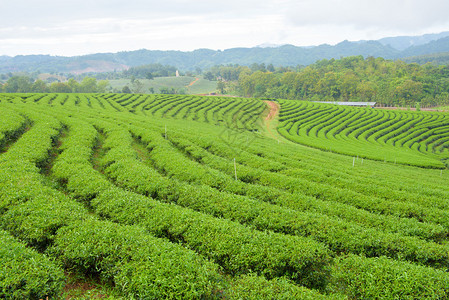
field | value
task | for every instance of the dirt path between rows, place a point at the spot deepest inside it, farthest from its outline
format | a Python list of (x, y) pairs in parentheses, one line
[(272, 114), (193, 82)]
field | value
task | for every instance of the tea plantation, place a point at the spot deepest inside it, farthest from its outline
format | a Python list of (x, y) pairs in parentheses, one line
[(188, 197)]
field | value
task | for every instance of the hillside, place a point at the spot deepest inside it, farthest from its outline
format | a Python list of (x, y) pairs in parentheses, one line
[(186, 197)]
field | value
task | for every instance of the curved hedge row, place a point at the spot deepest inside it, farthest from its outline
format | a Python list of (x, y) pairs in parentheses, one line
[(268, 254), (49, 221), (383, 130)]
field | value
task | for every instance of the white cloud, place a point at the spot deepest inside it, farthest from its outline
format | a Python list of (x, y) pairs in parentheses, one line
[(408, 15), (182, 32), (78, 27)]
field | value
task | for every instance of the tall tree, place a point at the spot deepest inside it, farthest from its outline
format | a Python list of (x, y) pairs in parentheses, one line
[(137, 86), (18, 84), (126, 90), (39, 86)]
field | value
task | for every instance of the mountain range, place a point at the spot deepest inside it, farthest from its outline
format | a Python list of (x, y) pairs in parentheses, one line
[(420, 49)]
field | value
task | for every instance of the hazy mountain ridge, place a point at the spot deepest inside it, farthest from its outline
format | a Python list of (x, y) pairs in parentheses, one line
[(403, 42), (285, 55), (429, 48)]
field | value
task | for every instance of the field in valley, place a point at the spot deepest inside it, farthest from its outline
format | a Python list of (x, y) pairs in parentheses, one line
[(188, 84), (166, 196)]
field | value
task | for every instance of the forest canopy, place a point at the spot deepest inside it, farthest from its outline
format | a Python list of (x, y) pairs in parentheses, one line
[(347, 79)]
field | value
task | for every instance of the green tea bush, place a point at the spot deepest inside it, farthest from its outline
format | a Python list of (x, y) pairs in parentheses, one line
[(254, 287), (140, 265), (383, 278), (27, 274)]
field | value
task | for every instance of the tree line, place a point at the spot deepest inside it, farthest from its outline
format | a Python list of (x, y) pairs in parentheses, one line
[(355, 78), (390, 83), (148, 71), (26, 84)]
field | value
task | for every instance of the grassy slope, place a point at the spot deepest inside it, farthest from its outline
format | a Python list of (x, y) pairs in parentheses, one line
[(202, 86)]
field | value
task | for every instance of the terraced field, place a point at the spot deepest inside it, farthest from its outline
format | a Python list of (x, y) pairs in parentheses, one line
[(414, 138), (184, 197)]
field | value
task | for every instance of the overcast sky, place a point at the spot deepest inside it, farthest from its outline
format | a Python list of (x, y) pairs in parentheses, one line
[(66, 27)]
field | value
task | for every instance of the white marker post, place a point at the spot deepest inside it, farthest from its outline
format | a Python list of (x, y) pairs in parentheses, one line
[(235, 169), (353, 161)]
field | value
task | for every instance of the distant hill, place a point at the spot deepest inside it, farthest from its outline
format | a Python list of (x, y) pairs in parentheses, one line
[(285, 55), (438, 46), (59, 64), (403, 42)]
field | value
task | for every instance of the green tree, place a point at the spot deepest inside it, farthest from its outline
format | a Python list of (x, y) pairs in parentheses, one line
[(39, 86), (418, 106), (60, 87), (348, 85), (221, 87), (18, 84), (126, 90), (409, 92), (74, 85), (259, 90), (137, 86), (366, 90), (88, 85), (166, 90), (209, 76), (102, 85)]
